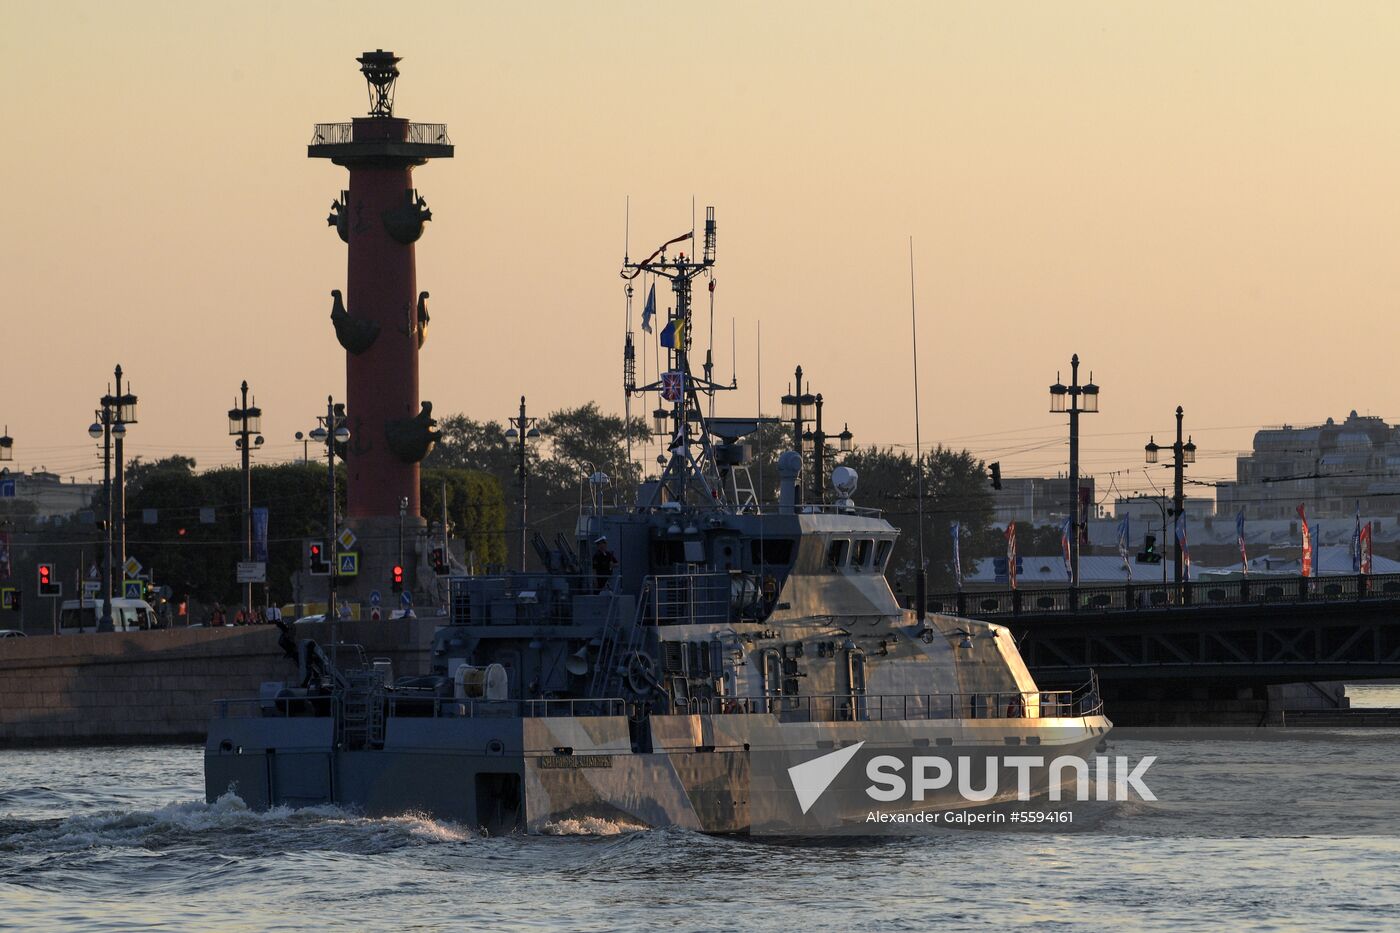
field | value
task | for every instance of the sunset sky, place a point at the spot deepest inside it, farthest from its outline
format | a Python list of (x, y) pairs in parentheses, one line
[(1198, 198)]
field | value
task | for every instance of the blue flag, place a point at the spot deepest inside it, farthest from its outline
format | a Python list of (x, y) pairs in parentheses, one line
[(649, 311)]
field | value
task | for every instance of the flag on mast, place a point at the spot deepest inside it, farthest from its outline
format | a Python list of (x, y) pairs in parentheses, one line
[(1366, 548), (649, 311)]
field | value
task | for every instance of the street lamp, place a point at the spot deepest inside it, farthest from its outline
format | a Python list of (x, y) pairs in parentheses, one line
[(331, 430), (122, 406), (1074, 399), (1183, 453), (245, 422), (846, 437), (522, 429), (7, 446)]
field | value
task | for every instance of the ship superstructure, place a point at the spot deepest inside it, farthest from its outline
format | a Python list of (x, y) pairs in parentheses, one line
[(635, 676)]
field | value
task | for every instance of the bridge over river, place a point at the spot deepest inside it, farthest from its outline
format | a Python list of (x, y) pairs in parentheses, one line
[(1199, 652)]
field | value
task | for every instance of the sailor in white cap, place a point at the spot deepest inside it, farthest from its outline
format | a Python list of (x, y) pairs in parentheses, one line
[(603, 562)]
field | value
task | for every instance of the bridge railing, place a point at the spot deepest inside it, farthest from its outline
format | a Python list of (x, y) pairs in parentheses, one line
[(847, 707), (1132, 597)]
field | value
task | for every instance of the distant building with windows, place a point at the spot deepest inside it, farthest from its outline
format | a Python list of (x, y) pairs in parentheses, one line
[(50, 496), (1331, 468), (1040, 500)]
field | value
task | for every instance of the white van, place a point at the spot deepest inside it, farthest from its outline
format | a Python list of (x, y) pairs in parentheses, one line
[(128, 615)]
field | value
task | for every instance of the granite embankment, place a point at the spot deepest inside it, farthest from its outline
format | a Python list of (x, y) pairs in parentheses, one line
[(124, 687)]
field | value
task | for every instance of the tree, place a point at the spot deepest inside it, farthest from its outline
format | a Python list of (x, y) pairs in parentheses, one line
[(476, 512)]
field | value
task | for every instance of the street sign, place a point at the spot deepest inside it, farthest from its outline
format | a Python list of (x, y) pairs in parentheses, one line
[(7, 489), (349, 564), (132, 566), (92, 572), (347, 539), (92, 587), (406, 599), (374, 597), (252, 571), (133, 589), (374, 614), (7, 597)]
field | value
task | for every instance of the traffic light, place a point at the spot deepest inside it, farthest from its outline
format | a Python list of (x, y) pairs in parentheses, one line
[(1149, 553), (398, 579), (996, 474), (319, 560), (439, 562), (16, 598), (48, 581)]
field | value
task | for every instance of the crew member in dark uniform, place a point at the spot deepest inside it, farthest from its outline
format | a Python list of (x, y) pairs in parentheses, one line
[(603, 563)]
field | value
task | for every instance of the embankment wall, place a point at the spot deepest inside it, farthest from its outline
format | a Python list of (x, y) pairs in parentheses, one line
[(130, 687)]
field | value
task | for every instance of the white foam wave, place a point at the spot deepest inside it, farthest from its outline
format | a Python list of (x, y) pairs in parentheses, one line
[(590, 826)]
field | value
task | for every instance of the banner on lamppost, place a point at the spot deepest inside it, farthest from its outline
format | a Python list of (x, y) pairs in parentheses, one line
[(1065, 532), (1011, 554), (1123, 535), (1307, 541), (1183, 552), (1239, 536), (260, 534), (956, 529)]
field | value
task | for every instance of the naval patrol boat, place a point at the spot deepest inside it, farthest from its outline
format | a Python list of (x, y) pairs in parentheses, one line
[(647, 687)]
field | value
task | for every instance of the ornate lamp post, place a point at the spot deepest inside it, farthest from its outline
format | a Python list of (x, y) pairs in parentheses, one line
[(1074, 399), (1182, 454), (522, 429), (245, 423), (116, 412)]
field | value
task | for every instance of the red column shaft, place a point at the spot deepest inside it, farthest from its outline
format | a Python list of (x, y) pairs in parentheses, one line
[(382, 382)]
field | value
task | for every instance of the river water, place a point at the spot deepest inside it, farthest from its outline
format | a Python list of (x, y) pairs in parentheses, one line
[(121, 839)]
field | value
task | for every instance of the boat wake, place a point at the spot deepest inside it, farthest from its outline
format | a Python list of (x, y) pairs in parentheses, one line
[(228, 826)]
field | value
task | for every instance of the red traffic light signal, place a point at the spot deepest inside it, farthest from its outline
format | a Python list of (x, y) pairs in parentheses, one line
[(398, 579), (320, 564), (439, 562), (48, 581)]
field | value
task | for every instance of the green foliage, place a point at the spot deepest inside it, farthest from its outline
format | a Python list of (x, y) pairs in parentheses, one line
[(476, 511)]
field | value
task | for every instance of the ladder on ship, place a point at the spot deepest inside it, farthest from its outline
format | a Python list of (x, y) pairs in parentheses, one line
[(611, 653)]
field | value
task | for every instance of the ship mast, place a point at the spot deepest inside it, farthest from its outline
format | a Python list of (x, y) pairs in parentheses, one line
[(677, 387)]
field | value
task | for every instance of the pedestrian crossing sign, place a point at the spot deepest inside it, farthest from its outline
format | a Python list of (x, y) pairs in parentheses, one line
[(349, 564)]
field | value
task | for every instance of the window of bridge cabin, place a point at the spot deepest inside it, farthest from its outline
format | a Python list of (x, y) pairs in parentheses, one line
[(836, 553), (771, 552), (665, 553), (882, 554), (864, 548)]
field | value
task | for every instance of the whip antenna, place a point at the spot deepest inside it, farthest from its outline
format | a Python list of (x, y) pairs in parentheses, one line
[(921, 583)]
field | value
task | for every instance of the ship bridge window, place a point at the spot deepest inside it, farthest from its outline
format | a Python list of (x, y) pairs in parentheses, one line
[(836, 553), (882, 554), (667, 552), (774, 552), (864, 548)]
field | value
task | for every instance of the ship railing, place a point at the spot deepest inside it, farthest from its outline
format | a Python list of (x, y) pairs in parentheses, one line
[(1039, 704), (520, 594), (766, 508), (276, 707), (688, 598), (450, 708), (338, 134)]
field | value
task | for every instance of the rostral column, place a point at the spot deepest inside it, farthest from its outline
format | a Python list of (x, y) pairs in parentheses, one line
[(381, 319)]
